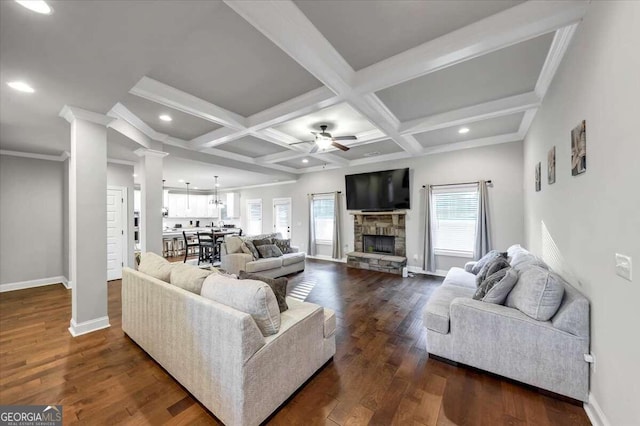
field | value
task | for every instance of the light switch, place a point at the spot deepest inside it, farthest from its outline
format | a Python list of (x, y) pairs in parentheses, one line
[(623, 266)]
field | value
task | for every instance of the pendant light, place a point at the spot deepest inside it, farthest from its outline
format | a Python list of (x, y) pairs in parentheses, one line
[(165, 210), (188, 208), (216, 201)]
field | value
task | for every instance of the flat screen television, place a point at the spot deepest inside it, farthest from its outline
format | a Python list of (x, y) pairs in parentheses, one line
[(385, 190)]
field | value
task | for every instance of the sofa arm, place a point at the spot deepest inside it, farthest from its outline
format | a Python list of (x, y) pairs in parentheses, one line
[(505, 341), (469, 266), (235, 262)]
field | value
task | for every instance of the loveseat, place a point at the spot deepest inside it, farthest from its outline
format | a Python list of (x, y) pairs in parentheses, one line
[(235, 261), (219, 354), (505, 341)]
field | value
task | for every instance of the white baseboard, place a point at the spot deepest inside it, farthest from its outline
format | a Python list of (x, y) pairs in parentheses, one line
[(67, 283), (419, 270), (595, 413), (329, 258), (88, 326), (32, 283)]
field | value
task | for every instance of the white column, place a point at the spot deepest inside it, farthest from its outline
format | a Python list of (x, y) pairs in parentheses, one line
[(150, 176), (88, 219)]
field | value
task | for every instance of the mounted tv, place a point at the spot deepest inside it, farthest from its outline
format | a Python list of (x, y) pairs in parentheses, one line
[(379, 191)]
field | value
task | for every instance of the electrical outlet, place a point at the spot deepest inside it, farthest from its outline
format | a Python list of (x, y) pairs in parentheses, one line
[(623, 266), (415, 257), (591, 359)]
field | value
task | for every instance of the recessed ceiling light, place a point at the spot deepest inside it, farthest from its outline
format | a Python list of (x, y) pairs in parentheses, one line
[(165, 117), (195, 187), (21, 86), (181, 180), (305, 160), (371, 154), (463, 130), (135, 175), (38, 6)]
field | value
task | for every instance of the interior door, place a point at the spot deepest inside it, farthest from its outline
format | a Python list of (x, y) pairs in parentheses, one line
[(254, 217), (115, 234), (282, 216)]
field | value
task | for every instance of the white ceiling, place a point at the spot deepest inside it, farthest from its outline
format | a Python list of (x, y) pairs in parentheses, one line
[(243, 80)]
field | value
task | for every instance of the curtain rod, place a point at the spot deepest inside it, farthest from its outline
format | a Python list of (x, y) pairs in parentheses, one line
[(325, 193), (454, 184)]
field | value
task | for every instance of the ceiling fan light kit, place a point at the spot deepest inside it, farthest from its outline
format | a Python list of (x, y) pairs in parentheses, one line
[(324, 140)]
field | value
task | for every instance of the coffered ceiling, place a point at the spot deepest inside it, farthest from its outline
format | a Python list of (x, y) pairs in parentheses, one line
[(243, 81)]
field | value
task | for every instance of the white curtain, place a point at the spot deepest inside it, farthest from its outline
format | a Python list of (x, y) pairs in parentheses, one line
[(312, 230), (483, 228), (337, 227), (429, 263)]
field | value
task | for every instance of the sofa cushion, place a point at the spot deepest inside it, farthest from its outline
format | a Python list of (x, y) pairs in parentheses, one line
[(234, 244), (513, 249), (529, 261), (496, 287), (490, 268), (538, 293), (436, 313), (573, 313), (189, 277), (263, 264), (291, 258), (269, 250), (283, 245), (460, 277), (250, 296), (278, 285), (155, 266), (251, 249), (475, 269)]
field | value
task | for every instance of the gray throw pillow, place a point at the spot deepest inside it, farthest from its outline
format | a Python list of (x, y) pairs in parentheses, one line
[(283, 245), (262, 242), (486, 259), (496, 287), (538, 293), (490, 268), (278, 285), (269, 250), (249, 248)]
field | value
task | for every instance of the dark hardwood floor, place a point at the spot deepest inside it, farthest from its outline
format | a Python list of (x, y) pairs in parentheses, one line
[(380, 375)]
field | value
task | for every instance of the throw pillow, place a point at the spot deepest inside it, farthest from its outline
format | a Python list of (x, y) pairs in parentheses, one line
[(189, 277), (250, 296), (262, 242), (283, 245), (278, 285), (484, 260), (249, 248), (496, 287), (233, 244), (490, 268), (155, 266), (538, 293), (269, 250)]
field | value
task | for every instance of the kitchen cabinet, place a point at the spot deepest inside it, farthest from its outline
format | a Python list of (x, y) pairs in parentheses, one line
[(232, 205)]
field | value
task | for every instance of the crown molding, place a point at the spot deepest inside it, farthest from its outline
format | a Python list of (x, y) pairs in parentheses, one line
[(123, 162), (145, 152), (62, 157), (71, 114)]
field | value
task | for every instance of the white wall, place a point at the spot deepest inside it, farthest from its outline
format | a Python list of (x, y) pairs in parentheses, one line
[(580, 222), (122, 175), (31, 219), (500, 163)]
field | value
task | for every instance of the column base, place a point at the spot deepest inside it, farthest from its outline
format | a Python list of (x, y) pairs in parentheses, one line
[(88, 326)]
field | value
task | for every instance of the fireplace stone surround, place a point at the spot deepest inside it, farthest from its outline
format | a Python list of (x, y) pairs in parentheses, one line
[(389, 226)]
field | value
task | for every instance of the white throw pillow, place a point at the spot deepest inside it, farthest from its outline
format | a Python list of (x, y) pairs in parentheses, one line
[(234, 244), (250, 296), (155, 266), (189, 277)]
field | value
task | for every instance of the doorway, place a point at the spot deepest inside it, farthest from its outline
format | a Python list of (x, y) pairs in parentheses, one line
[(282, 217), (116, 231)]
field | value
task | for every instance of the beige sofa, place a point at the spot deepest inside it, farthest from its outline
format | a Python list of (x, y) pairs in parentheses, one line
[(273, 267), (219, 354)]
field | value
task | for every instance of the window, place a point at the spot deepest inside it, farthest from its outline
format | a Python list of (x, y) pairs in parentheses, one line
[(323, 218), (453, 220), (254, 215)]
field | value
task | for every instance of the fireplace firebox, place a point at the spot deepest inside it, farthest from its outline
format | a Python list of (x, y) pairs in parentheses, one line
[(382, 244)]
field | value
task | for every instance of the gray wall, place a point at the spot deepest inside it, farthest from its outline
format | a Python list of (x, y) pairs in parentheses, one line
[(122, 175), (31, 219), (500, 163), (580, 222)]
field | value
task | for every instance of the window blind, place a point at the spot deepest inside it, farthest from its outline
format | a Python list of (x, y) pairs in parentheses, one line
[(454, 218)]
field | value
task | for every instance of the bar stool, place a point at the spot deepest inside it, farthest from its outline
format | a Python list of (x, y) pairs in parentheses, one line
[(167, 247), (206, 246), (189, 244)]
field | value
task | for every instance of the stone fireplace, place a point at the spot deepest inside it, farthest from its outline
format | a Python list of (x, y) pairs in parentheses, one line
[(379, 241)]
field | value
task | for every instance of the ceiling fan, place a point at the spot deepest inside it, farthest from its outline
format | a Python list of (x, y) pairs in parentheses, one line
[(324, 140)]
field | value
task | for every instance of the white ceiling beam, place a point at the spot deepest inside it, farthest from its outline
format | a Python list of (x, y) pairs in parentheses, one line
[(217, 137), (514, 25), (330, 158), (286, 26), (380, 158), (473, 143), (124, 128), (280, 156), (483, 111), (558, 48), (526, 122), (171, 97)]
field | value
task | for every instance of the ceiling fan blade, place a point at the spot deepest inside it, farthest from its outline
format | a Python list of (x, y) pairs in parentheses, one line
[(314, 149), (296, 143), (345, 138), (339, 146)]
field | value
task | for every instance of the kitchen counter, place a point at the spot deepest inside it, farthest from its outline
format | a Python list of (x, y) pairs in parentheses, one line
[(177, 232)]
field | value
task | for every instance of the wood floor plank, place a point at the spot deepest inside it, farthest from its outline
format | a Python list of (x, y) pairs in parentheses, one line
[(380, 374)]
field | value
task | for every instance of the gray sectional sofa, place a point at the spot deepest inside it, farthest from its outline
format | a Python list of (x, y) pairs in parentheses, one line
[(504, 340), (273, 267)]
